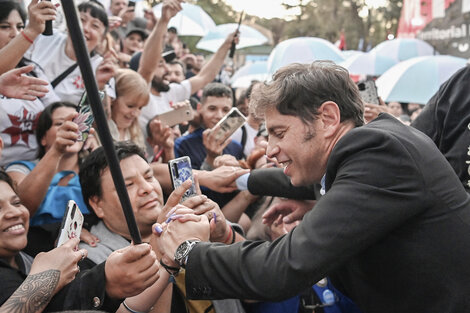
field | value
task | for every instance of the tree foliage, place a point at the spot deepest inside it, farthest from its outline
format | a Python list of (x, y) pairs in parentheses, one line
[(322, 18)]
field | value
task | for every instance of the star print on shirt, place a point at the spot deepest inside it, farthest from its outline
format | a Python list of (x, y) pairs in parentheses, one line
[(78, 82), (22, 125)]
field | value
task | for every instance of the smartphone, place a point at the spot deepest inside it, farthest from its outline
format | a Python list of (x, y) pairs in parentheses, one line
[(232, 121), (177, 116), (71, 223), (368, 91), (181, 171), (85, 118)]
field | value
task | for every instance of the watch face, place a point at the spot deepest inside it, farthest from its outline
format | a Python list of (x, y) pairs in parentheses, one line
[(181, 251)]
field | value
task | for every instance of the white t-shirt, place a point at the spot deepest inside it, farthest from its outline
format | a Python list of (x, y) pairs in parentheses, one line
[(161, 104), (18, 120), (250, 138), (49, 53)]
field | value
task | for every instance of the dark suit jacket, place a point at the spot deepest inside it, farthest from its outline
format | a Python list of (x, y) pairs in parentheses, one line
[(392, 231), (273, 182), (446, 118)]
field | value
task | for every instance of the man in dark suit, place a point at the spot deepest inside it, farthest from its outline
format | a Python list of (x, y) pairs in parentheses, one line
[(392, 230)]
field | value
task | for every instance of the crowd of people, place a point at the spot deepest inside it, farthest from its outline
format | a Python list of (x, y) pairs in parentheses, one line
[(319, 202)]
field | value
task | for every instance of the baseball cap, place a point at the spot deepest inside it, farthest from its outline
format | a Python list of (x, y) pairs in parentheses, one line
[(168, 55), (136, 30)]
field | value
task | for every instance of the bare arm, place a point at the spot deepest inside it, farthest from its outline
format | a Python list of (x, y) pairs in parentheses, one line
[(210, 70), (152, 53), (33, 294), (41, 176), (147, 299), (50, 272), (234, 209), (39, 13)]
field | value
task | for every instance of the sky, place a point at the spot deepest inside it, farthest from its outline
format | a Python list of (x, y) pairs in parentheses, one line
[(273, 8), (262, 8)]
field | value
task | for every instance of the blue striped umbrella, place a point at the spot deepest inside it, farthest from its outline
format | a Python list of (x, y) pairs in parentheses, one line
[(302, 50), (418, 79), (249, 72), (249, 37), (368, 64), (402, 49), (192, 20)]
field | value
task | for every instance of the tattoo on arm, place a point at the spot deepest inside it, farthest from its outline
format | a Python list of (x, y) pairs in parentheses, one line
[(34, 293)]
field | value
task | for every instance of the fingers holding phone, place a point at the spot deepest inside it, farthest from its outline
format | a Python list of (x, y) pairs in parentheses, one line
[(63, 259)]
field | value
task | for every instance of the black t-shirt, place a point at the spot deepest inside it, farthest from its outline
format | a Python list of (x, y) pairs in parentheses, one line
[(446, 119)]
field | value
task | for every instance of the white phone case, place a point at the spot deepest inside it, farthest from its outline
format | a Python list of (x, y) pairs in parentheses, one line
[(71, 223)]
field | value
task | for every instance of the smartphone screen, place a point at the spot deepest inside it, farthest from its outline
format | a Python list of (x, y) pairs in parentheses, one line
[(181, 171), (229, 124), (71, 223)]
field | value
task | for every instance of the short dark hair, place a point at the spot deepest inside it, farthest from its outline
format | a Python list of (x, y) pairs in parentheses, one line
[(45, 122), (6, 7), (172, 29), (300, 89), (96, 163), (96, 10), (173, 62), (7, 179), (216, 90)]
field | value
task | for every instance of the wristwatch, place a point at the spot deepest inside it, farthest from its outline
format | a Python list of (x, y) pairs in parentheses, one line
[(182, 252)]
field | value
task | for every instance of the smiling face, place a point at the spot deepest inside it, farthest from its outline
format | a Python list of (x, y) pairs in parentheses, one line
[(298, 147), (213, 109), (133, 43), (126, 109), (10, 27), (93, 29), (14, 222), (175, 73), (145, 195)]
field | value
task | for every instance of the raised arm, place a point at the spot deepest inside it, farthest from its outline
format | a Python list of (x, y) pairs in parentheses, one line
[(210, 70), (152, 53), (33, 187), (39, 13)]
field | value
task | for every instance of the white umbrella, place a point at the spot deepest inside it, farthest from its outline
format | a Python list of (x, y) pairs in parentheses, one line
[(302, 50), (249, 37), (248, 73), (368, 64), (349, 53), (192, 20), (416, 80), (402, 49)]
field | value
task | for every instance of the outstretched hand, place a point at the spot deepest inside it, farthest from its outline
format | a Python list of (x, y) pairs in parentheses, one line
[(289, 210), (131, 270), (14, 84)]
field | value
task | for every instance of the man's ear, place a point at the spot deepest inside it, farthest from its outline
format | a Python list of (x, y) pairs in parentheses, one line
[(199, 106), (330, 116), (95, 202)]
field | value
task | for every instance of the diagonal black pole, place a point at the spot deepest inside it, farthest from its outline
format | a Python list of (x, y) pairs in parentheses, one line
[(83, 60)]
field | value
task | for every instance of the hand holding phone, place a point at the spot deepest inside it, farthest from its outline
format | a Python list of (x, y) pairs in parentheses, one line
[(85, 118), (181, 171), (368, 91), (177, 116), (225, 128), (71, 223)]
